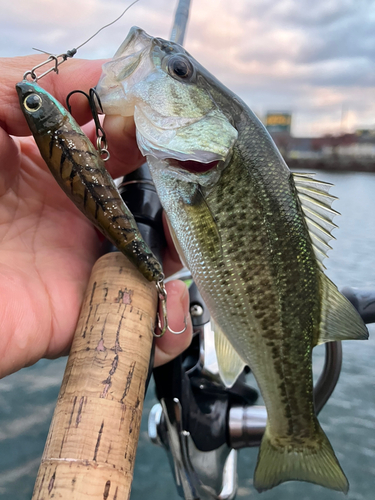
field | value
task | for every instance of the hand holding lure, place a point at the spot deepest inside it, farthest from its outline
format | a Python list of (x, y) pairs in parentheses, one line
[(79, 170), (93, 437)]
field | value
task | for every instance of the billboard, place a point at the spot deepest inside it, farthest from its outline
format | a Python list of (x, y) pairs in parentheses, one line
[(278, 122)]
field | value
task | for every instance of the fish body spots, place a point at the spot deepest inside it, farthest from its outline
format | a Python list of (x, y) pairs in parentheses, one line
[(264, 286)]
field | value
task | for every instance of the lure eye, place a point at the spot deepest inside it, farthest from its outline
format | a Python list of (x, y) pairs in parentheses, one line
[(180, 67), (33, 102)]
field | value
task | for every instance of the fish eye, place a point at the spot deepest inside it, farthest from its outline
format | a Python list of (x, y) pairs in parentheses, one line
[(180, 67), (33, 102)]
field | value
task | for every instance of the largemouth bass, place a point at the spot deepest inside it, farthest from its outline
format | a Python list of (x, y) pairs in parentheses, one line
[(80, 172), (253, 236)]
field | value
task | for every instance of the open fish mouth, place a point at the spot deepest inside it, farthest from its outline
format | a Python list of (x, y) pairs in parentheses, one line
[(130, 64), (179, 143), (184, 139), (194, 167), (139, 82)]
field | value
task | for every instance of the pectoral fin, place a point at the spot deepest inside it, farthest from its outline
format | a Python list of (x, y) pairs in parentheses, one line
[(204, 225), (230, 363), (201, 229), (339, 318)]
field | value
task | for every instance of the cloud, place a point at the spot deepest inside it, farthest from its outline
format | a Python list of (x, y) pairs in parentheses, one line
[(312, 58)]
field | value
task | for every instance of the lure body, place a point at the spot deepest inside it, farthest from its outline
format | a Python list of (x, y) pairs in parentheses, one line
[(80, 172)]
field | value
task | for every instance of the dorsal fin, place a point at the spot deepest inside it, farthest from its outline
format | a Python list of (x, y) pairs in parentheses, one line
[(316, 204)]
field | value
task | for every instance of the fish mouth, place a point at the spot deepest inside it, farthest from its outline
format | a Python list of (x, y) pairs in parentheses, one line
[(194, 167), (174, 122), (131, 63), (136, 41), (196, 144)]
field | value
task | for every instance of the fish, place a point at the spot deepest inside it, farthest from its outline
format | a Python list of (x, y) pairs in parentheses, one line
[(80, 172), (253, 235)]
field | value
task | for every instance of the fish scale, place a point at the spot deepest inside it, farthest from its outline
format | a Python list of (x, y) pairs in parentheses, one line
[(238, 220), (263, 296)]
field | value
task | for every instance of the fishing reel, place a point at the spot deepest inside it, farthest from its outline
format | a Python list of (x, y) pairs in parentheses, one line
[(201, 423)]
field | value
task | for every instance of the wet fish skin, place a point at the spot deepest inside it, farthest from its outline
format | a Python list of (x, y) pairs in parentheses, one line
[(241, 230), (80, 172)]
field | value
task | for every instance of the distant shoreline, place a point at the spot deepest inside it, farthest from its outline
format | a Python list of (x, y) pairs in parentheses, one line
[(332, 164)]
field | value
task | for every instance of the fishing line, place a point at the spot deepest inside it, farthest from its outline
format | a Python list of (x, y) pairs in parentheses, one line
[(68, 53), (107, 25)]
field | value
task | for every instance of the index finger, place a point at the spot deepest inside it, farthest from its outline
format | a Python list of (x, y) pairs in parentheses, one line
[(74, 74)]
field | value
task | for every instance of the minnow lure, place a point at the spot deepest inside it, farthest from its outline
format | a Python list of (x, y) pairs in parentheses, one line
[(80, 172)]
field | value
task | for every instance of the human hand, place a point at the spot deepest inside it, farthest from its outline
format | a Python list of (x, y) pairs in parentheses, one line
[(47, 247)]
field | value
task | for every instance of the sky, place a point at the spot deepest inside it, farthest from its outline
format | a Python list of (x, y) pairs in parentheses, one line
[(313, 58)]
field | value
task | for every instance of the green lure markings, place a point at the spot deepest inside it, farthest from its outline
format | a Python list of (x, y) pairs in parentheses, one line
[(80, 172)]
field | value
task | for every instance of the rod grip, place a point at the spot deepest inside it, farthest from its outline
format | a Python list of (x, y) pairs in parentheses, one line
[(93, 437)]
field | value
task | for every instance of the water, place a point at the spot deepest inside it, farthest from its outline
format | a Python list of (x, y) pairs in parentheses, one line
[(27, 398)]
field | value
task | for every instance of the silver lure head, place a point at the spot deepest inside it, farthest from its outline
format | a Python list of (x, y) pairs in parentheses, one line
[(176, 103)]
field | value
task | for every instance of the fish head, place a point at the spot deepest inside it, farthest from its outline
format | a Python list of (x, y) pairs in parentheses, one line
[(38, 107), (177, 105)]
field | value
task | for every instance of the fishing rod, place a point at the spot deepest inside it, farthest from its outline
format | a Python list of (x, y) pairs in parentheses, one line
[(92, 441), (180, 22)]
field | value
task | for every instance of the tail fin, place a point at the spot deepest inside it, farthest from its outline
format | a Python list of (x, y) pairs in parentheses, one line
[(316, 464)]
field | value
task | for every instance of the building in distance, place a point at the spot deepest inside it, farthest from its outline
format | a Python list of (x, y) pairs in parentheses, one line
[(355, 151)]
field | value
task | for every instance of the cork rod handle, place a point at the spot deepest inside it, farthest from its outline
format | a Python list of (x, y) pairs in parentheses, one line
[(92, 441)]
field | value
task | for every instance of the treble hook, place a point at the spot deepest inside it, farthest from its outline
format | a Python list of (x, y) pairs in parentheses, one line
[(163, 301), (101, 141)]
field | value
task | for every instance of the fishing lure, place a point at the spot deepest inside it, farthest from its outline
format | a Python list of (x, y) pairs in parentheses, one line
[(80, 172)]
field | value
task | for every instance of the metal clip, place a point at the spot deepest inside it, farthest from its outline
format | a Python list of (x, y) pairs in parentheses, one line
[(163, 301), (55, 67), (65, 56)]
